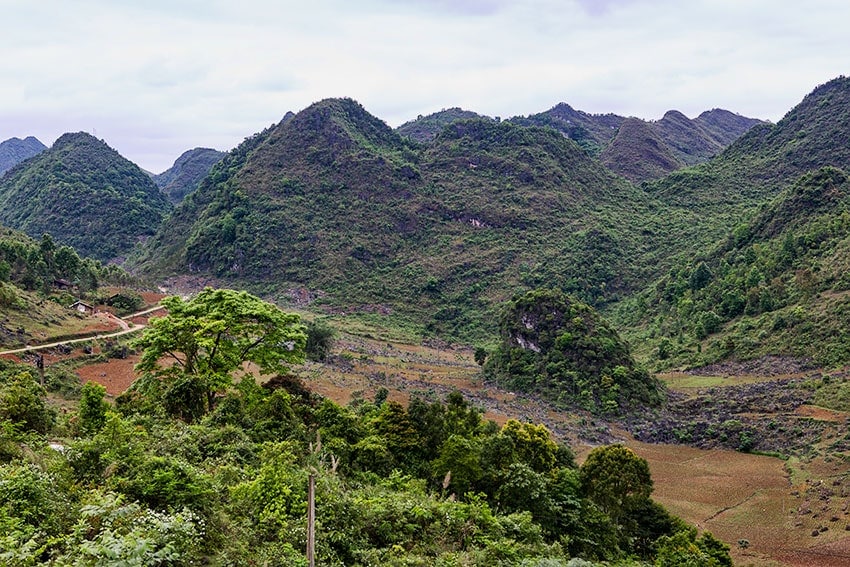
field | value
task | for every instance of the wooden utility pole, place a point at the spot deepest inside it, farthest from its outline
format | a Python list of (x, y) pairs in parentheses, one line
[(311, 504), (39, 362), (311, 520)]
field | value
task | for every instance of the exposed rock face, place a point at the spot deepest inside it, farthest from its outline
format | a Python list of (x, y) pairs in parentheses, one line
[(561, 348)]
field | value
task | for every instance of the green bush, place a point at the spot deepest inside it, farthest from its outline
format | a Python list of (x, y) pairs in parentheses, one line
[(22, 401)]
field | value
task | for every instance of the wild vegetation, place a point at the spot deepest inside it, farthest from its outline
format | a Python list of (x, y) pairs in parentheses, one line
[(85, 195), (561, 348), (505, 235), (641, 150), (40, 279), (777, 285), (187, 173), (425, 128), (151, 481), (334, 203), (14, 150)]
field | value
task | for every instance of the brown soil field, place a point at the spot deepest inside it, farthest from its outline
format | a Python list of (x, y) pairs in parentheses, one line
[(821, 414), (151, 297), (737, 496), (726, 493), (116, 375)]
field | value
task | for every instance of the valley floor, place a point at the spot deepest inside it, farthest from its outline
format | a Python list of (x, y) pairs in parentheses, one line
[(771, 511)]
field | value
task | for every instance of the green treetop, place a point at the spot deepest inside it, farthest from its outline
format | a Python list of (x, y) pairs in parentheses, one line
[(203, 340)]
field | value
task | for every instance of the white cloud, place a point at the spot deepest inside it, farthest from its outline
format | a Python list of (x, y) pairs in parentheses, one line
[(157, 78)]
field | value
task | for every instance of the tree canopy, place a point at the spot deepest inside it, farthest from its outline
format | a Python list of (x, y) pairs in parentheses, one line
[(558, 346), (203, 340), (616, 479)]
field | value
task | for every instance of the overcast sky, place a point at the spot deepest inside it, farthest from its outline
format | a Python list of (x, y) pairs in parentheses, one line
[(156, 77)]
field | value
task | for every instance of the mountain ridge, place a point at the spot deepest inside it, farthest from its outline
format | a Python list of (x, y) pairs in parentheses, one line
[(689, 141), (14, 150), (84, 194), (187, 172), (364, 205)]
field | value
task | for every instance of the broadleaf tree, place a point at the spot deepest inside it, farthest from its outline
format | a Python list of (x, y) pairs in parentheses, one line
[(206, 339), (616, 479)]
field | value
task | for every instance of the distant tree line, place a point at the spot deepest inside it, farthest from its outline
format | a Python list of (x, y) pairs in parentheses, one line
[(45, 266)]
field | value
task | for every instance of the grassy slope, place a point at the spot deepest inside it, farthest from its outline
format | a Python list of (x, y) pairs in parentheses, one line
[(762, 163)]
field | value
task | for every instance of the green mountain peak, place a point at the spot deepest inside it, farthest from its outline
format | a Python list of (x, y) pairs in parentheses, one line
[(85, 194)]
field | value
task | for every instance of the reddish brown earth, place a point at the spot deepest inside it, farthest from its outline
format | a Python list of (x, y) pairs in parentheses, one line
[(116, 375), (151, 297), (821, 414)]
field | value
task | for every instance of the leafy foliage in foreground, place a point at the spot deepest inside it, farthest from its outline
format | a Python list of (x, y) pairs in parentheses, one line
[(430, 484), (560, 347)]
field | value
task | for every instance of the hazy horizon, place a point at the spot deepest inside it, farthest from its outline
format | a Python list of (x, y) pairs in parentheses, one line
[(156, 80)]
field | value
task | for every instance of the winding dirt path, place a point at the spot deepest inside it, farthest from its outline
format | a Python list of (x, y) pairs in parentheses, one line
[(123, 322)]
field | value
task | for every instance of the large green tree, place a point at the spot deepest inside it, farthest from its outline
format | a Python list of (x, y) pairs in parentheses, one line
[(203, 341), (615, 479)]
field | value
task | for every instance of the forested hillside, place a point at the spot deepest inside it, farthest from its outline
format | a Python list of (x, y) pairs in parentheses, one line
[(39, 279), (777, 285), (766, 160), (14, 150), (637, 152), (772, 282), (187, 173), (85, 195), (425, 128), (562, 349), (535, 243), (334, 202), (334, 209)]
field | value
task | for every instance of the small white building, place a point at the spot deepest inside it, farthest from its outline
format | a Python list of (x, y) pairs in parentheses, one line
[(82, 307)]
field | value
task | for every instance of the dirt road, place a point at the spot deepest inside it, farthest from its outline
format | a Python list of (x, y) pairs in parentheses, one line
[(126, 328)]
